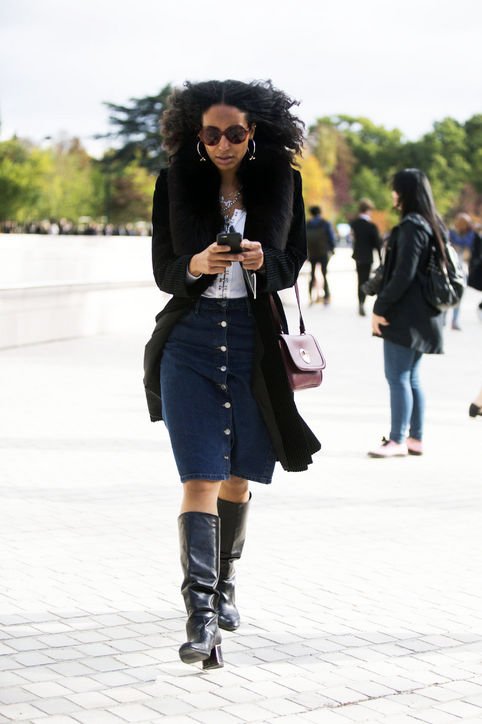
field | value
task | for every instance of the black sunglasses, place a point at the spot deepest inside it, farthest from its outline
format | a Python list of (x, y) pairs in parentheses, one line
[(211, 136)]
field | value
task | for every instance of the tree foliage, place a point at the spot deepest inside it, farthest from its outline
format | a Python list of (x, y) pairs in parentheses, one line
[(21, 170), (317, 185), (369, 154), (131, 195), (136, 131), (58, 182)]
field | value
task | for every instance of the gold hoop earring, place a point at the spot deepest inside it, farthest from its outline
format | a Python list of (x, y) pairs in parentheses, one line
[(253, 152), (198, 147)]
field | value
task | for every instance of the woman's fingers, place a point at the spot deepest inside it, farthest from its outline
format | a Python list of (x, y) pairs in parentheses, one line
[(216, 257), (377, 322), (253, 254)]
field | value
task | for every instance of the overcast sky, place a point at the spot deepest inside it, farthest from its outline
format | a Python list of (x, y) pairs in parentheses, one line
[(403, 64)]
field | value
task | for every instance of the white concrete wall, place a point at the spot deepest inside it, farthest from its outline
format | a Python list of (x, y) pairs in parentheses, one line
[(58, 287)]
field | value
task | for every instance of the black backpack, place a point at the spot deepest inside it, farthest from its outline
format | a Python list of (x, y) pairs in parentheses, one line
[(318, 240)]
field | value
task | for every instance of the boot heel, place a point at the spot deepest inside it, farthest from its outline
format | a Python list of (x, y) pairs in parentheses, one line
[(215, 660)]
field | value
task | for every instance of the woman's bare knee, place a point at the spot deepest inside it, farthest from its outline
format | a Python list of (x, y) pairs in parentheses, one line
[(200, 496), (235, 489)]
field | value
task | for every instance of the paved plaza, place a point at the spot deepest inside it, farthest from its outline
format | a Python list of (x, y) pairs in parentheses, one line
[(360, 588)]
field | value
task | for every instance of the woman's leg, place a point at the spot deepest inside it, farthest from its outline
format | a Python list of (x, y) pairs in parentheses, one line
[(324, 271), (455, 318), (200, 496), (418, 409), (398, 365), (312, 278), (236, 490), (199, 539)]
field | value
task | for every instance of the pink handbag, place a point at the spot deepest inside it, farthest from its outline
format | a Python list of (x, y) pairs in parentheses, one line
[(302, 357)]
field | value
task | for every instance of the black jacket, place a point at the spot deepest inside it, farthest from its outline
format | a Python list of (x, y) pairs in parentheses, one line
[(185, 220), (475, 264), (413, 322), (366, 240)]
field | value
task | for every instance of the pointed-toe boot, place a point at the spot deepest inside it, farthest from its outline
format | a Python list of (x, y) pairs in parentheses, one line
[(199, 544), (233, 518)]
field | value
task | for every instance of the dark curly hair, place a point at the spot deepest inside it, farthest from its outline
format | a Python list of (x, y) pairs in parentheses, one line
[(264, 105)]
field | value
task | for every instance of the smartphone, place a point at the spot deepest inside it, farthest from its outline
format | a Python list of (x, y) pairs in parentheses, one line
[(232, 239)]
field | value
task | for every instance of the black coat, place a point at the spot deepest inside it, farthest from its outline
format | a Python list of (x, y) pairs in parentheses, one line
[(186, 218), (366, 240), (475, 264), (413, 322)]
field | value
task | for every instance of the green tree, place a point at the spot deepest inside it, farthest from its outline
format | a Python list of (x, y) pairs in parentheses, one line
[(21, 170), (137, 130), (131, 195), (323, 144), (442, 155), (71, 184), (473, 135), (373, 146), (367, 183)]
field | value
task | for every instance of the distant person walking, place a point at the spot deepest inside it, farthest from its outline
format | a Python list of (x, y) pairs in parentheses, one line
[(409, 326), (462, 237), (321, 245), (366, 240), (475, 266)]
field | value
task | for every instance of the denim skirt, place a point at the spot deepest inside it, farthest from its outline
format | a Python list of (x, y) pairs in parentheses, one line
[(214, 422)]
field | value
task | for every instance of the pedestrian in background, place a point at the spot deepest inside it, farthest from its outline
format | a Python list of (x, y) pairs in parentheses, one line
[(321, 245), (462, 238), (366, 240), (213, 368), (409, 326), (475, 265)]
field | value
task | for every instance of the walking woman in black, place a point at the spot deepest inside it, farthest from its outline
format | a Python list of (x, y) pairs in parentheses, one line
[(213, 370), (410, 327)]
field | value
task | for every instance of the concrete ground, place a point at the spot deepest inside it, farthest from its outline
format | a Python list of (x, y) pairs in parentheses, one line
[(360, 587)]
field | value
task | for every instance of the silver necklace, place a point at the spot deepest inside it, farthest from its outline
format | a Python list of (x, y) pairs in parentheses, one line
[(227, 203)]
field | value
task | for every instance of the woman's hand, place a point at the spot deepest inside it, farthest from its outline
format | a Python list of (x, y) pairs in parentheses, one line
[(378, 322), (253, 257), (214, 259)]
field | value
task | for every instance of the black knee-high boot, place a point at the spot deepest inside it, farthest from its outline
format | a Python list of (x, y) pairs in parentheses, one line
[(199, 543), (233, 534)]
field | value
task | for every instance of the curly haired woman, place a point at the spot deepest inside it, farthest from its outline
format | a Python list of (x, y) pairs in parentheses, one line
[(221, 388)]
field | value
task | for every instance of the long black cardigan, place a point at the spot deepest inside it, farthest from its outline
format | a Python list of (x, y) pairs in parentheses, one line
[(185, 219), (413, 322)]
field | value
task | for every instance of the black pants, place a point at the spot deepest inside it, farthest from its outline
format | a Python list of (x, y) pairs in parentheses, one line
[(323, 262), (363, 272)]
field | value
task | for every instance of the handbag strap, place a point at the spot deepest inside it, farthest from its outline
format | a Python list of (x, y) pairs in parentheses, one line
[(277, 316), (302, 322)]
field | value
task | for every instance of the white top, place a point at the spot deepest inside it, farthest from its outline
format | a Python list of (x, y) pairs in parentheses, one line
[(230, 284)]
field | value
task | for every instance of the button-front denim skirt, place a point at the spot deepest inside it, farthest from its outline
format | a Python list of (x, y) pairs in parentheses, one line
[(214, 422)]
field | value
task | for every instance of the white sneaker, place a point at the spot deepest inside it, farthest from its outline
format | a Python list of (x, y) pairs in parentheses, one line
[(390, 449)]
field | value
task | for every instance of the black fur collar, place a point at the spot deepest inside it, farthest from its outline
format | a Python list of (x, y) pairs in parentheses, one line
[(195, 217)]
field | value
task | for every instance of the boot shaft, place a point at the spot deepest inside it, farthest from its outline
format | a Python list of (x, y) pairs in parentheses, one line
[(199, 539), (233, 517)]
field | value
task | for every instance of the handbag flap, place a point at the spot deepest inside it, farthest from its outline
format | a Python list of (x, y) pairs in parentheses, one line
[(304, 351)]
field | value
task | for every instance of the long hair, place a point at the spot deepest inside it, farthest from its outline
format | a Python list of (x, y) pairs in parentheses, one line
[(415, 197), (264, 105)]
